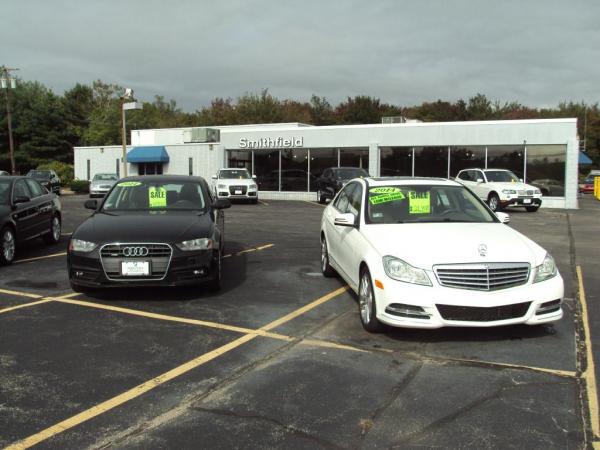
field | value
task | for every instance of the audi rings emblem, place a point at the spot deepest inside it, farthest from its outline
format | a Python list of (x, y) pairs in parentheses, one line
[(135, 251)]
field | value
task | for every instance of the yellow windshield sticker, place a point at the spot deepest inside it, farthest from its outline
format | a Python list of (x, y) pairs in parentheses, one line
[(419, 202), (384, 190), (129, 184), (386, 198), (157, 197)]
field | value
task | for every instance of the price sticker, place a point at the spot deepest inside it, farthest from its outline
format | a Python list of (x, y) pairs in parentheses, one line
[(157, 197)]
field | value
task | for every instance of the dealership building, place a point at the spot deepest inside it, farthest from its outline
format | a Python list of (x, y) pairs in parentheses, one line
[(287, 158)]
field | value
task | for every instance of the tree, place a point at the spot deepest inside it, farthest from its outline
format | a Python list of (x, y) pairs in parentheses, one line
[(479, 108), (321, 112), (359, 109)]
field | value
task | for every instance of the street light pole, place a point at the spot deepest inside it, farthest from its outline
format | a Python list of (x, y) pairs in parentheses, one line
[(9, 83), (123, 136)]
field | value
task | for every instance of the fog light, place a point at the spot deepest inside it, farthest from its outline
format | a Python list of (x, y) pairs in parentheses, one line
[(403, 310), (79, 273), (548, 307)]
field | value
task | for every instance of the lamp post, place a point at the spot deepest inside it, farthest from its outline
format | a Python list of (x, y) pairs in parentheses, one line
[(128, 95), (9, 83)]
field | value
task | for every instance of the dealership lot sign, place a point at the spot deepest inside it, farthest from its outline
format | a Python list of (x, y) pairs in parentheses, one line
[(278, 142)]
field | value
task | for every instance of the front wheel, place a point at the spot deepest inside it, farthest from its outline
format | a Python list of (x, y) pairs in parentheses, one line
[(532, 208), (321, 197), (326, 269), (53, 236), (215, 284), (7, 250), (366, 304), (494, 202)]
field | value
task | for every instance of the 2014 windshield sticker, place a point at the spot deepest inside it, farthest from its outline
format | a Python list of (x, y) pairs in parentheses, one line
[(419, 202), (129, 184), (157, 197), (384, 190), (386, 197)]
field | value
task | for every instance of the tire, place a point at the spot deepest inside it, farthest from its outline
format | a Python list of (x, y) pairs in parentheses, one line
[(7, 246), (367, 308), (321, 197), (215, 284), (494, 202), (532, 208), (326, 269), (55, 228)]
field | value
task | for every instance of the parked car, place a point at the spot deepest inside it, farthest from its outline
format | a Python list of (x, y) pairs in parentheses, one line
[(549, 187), (4, 172), (27, 211), (333, 178), (154, 230), (235, 184), (47, 178), (101, 184), (501, 188), (428, 253), (587, 186)]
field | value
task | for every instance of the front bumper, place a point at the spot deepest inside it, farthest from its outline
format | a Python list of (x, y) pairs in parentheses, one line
[(438, 306), (520, 201), (246, 196), (183, 269)]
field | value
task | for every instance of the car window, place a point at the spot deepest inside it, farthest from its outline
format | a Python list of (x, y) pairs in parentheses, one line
[(343, 199), (503, 176), (355, 199), (327, 174), (236, 174), (464, 175), (5, 191), (36, 189), (155, 196), (21, 189)]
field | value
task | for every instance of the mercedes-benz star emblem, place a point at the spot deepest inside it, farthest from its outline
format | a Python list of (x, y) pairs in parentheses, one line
[(135, 251), (482, 250)]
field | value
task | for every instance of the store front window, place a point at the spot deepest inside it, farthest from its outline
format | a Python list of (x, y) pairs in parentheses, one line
[(294, 170), (321, 159), (266, 169), (354, 157), (396, 161), (510, 157), (431, 162), (546, 168), (150, 169), (470, 157), (240, 160)]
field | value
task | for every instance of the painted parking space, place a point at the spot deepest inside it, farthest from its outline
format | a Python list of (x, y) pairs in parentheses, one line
[(304, 372)]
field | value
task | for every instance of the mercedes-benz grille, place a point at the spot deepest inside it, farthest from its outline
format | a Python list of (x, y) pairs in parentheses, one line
[(483, 277), (159, 256)]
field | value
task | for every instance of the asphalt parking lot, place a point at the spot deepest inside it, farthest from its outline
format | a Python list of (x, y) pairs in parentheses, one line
[(278, 358)]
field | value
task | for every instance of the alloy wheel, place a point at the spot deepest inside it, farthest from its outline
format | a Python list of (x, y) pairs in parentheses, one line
[(56, 228), (324, 256), (365, 298), (8, 245)]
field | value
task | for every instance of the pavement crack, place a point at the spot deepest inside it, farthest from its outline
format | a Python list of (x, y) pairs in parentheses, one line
[(286, 427)]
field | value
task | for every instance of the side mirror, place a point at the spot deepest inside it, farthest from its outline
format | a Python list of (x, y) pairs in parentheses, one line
[(479, 180), (91, 204), (20, 199), (345, 220), (221, 203), (504, 218), (214, 177), (254, 177)]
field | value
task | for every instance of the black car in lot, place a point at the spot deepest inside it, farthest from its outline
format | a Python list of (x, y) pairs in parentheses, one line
[(332, 180), (46, 178), (27, 211), (158, 230)]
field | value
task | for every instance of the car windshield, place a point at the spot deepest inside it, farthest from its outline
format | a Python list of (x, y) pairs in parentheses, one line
[(157, 195), (238, 174), (4, 192), (39, 173), (502, 176), (105, 177), (348, 174), (424, 203)]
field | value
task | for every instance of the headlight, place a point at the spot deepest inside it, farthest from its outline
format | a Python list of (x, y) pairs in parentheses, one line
[(195, 244), (509, 191), (79, 245), (402, 271), (546, 270), (537, 191), (222, 186), (253, 187)]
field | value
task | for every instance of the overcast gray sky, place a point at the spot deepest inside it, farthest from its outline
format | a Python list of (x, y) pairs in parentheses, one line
[(538, 52)]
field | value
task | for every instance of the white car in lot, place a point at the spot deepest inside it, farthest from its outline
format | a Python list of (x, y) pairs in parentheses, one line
[(235, 184), (501, 188), (427, 253)]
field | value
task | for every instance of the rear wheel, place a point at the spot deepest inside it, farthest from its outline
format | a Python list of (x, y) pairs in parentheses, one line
[(532, 208), (326, 269), (321, 197), (494, 202), (366, 304), (55, 228), (8, 246)]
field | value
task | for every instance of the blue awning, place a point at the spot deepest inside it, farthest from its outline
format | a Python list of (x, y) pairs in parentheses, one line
[(584, 159), (150, 154)]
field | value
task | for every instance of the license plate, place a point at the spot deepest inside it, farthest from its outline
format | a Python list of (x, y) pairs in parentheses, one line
[(135, 268), (527, 200), (238, 192)]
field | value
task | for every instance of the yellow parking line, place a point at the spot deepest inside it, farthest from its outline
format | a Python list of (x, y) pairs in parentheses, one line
[(589, 374), (479, 362), (264, 203), (128, 395), (265, 246), (20, 294), (25, 305), (39, 257)]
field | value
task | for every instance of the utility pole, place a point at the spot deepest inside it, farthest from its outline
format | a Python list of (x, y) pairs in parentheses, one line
[(9, 83)]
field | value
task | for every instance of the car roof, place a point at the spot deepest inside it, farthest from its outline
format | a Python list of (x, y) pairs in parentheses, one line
[(416, 181), (232, 168), (164, 178)]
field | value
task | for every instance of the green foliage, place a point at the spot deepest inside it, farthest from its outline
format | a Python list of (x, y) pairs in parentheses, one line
[(63, 170), (80, 186)]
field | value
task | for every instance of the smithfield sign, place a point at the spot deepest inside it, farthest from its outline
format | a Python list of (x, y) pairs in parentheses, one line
[(278, 142)]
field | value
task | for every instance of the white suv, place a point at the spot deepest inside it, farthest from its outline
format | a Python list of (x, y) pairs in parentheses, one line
[(501, 188), (235, 184)]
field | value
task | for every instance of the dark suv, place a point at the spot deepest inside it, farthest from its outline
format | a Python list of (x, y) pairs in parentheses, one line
[(46, 178), (332, 180)]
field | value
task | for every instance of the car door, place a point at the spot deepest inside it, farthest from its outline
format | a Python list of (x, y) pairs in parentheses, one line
[(332, 231), (351, 240), (25, 213), (479, 187), (44, 202)]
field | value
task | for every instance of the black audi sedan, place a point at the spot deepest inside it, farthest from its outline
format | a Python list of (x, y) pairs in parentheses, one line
[(334, 178), (158, 230), (27, 211)]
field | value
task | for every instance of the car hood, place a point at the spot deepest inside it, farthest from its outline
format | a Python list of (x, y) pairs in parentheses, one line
[(425, 244), (144, 226), (235, 182), (102, 183)]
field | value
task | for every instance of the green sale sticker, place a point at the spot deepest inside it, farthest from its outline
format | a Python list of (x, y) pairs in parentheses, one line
[(419, 202), (129, 184), (384, 190), (157, 197), (386, 198)]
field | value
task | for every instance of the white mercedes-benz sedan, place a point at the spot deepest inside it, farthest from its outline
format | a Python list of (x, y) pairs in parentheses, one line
[(428, 253)]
